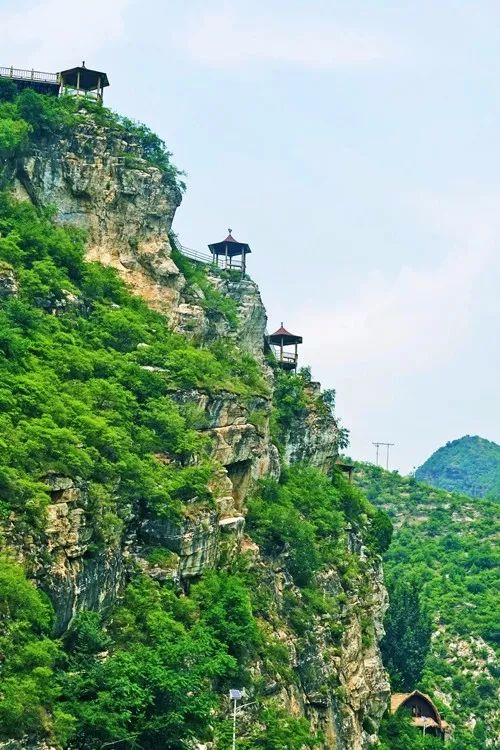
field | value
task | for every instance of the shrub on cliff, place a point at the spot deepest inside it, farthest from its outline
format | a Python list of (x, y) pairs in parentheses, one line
[(28, 659), (304, 517)]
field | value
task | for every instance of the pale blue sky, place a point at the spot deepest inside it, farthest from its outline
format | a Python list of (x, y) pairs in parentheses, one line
[(355, 146)]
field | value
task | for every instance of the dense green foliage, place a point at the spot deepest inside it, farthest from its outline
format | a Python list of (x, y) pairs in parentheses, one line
[(305, 515), (470, 465), (28, 657), (169, 660), (87, 375), (397, 733), (29, 117), (166, 660), (408, 630), (447, 545), (75, 396)]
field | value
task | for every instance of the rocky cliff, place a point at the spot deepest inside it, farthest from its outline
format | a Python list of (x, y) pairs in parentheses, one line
[(105, 185)]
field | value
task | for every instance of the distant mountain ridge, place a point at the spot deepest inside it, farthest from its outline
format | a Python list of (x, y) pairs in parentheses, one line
[(470, 465)]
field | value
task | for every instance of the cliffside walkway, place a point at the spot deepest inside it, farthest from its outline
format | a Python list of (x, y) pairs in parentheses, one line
[(194, 254), (205, 258), (19, 74)]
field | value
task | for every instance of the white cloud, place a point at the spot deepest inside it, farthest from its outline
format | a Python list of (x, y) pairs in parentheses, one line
[(415, 319), (53, 35), (225, 38)]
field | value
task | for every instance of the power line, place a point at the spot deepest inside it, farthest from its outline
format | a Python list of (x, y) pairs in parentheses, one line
[(388, 446)]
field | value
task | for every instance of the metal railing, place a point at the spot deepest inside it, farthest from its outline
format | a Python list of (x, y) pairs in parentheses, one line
[(28, 75), (232, 264), (194, 254)]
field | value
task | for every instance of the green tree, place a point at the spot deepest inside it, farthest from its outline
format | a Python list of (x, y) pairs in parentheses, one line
[(28, 657), (408, 630)]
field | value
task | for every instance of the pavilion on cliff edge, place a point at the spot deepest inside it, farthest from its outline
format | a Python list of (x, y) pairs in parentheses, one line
[(281, 339)]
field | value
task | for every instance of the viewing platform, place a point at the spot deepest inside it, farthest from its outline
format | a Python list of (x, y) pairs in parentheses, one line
[(231, 263), (79, 81), (280, 339), (44, 83)]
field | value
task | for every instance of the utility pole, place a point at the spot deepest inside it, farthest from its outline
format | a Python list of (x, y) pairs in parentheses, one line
[(388, 446)]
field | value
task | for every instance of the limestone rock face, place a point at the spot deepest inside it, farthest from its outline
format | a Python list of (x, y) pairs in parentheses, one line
[(240, 438), (102, 184), (80, 571), (313, 438), (252, 315), (76, 573), (342, 686), (8, 283), (193, 320)]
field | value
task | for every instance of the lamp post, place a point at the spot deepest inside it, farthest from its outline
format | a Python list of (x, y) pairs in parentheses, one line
[(235, 696)]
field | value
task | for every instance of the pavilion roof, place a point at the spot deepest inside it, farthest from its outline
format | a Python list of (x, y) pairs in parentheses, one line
[(88, 78), (232, 246), (282, 335)]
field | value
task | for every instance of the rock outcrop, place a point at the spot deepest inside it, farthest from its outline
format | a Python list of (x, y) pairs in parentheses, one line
[(8, 282), (104, 185), (342, 686), (313, 436)]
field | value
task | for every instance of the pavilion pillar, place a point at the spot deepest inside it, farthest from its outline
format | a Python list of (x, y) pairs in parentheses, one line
[(78, 83)]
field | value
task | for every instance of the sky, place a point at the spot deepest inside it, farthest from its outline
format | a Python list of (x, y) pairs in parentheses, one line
[(354, 146)]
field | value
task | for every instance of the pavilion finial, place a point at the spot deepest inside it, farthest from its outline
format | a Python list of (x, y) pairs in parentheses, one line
[(83, 63), (229, 230)]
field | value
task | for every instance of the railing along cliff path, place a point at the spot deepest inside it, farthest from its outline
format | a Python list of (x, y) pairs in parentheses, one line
[(19, 74), (199, 257)]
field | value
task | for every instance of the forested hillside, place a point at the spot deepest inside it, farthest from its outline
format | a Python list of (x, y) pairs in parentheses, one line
[(470, 465), (171, 520), (442, 569)]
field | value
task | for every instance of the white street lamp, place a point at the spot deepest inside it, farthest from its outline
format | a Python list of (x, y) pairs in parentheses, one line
[(235, 696)]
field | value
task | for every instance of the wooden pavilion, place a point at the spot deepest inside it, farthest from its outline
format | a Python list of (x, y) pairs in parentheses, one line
[(424, 713), (279, 340), (230, 253), (83, 81)]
